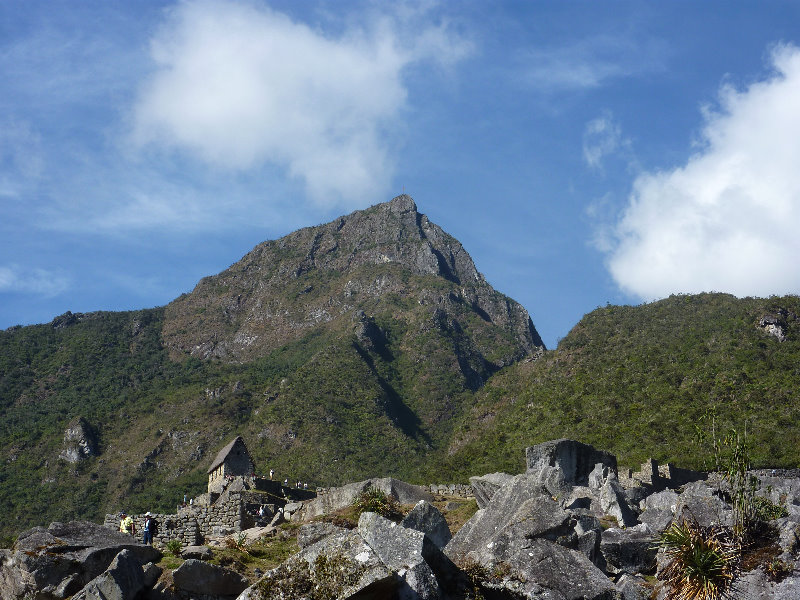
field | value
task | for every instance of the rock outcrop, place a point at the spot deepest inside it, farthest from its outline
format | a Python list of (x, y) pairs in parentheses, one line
[(335, 274), (341, 497), (60, 560), (80, 441)]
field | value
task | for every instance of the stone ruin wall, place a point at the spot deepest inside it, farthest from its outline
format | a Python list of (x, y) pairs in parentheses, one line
[(193, 524), (459, 490)]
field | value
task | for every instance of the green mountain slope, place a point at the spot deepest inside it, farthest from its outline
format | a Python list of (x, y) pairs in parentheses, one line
[(639, 381), (372, 346), (339, 352)]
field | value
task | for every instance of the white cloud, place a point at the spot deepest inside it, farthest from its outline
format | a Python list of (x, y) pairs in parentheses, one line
[(729, 219), (240, 85), (14, 278), (591, 62), (602, 137)]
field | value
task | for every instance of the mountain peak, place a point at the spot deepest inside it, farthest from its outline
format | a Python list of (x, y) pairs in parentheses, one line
[(403, 203), (317, 277)]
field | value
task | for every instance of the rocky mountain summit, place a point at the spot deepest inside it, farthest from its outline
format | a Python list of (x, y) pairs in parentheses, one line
[(339, 275)]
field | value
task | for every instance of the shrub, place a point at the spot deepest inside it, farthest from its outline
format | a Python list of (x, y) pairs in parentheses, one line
[(703, 561), (376, 500), (765, 510), (174, 547), (237, 543)]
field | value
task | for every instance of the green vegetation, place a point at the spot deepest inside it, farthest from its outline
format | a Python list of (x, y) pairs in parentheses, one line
[(415, 395), (703, 561), (174, 547), (324, 578), (377, 501), (636, 380)]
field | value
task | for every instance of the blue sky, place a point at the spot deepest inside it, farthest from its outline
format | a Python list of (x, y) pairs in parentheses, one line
[(583, 152)]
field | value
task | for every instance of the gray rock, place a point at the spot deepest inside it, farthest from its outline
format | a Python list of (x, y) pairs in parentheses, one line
[(277, 519), (59, 560), (403, 551), (589, 531), (197, 552), (359, 573), (614, 503), (757, 585), (201, 577), (151, 574), (292, 507), (425, 517), (575, 459), (483, 488), (666, 500), (337, 498), (656, 519), (633, 588), (520, 508), (80, 441), (598, 476), (699, 502), (628, 550), (313, 532), (540, 563), (123, 580), (553, 481), (788, 534)]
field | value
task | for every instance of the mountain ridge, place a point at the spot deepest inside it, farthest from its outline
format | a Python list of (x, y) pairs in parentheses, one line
[(416, 379), (318, 275)]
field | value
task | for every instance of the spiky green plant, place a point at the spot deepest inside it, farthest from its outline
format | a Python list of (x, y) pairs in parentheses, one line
[(703, 561)]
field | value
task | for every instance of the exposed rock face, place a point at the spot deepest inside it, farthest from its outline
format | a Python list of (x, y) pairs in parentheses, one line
[(776, 324), (59, 560), (335, 498), (485, 487), (80, 441), (123, 580), (575, 459), (342, 564), (333, 274), (201, 577), (425, 517)]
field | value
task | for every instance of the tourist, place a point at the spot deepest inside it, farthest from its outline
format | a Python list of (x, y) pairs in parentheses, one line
[(149, 526), (126, 524), (271, 473)]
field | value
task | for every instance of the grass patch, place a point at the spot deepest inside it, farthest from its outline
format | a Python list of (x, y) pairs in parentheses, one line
[(170, 563), (456, 517)]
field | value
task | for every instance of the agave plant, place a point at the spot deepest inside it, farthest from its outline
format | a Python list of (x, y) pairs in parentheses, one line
[(703, 561)]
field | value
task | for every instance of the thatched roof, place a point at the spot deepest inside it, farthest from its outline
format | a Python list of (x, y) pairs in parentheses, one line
[(223, 454)]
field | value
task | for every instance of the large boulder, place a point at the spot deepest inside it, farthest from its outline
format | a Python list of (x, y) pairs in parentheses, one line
[(202, 577), (520, 508), (425, 517), (659, 510), (404, 552), (699, 502), (123, 580), (575, 459), (540, 563), (483, 488), (629, 550), (337, 498), (341, 565), (614, 503), (56, 562), (757, 584), (311, 533)]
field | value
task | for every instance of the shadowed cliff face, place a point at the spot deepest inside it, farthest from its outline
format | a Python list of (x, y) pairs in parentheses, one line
[(388, 260)]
